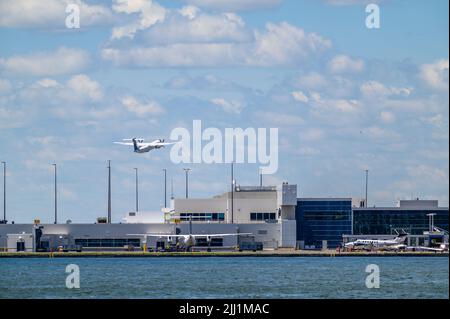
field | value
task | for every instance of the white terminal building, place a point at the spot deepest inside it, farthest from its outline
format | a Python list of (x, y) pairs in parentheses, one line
[(266, 214)]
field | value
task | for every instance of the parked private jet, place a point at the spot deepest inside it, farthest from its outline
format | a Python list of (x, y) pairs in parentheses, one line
[(142, 147), (391, 244)]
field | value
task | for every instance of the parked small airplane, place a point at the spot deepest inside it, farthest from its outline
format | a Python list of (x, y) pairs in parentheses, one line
[(189, 240), (141, 147), (396, 244)]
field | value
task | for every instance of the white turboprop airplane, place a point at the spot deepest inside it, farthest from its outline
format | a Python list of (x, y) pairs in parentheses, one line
[(189, 239), (141, 147), (397, 243)]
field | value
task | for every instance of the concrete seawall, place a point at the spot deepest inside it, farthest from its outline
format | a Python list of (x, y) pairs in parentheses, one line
[(295, 253)]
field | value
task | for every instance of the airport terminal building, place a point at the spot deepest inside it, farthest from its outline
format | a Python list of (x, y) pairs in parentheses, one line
[(272, 216)]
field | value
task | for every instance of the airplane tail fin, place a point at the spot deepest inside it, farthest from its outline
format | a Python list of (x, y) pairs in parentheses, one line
[(401, 238), (136, 148)]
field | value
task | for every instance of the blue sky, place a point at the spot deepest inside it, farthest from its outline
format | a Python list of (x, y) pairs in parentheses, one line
[(344, 97)]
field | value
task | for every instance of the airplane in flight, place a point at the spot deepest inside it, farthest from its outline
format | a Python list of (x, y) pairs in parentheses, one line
[(140, 146), (390, 244)]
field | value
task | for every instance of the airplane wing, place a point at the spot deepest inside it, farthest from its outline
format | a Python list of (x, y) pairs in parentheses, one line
[(123, 143), (167, 143), (157, 235), (219, 235), (193, 235)]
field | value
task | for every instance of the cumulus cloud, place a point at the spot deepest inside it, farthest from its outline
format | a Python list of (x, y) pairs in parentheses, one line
[(235, 5), (149, 12), (435, 75), (345, 64), (351, 2), (379, 90), (141, 109), (197, 27), (282, 44), (61, 61), (50, 13), (82, 84), (278, 44), (299, 96)]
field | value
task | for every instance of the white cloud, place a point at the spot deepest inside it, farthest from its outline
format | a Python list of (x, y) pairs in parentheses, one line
[(379, 90), (189, 11), (82, 84), (235, 5), (279, 44), (351, 2), (300, 96), (150, 13), (141, 109), (228, 106), (345, 64), (197, 27), (435, 75), (61, 61), (284, 44), (49, 14)]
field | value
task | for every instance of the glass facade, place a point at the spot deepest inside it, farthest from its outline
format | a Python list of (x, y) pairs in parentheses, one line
[(108, 242), (323, 219), (385, 221), (202, 217), (262, 216)]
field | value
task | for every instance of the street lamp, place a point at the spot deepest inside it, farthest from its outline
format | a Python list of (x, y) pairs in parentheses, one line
[(4, 192), (187, 170), (165, 187), (137, 190), (109, 191), (56, 195)]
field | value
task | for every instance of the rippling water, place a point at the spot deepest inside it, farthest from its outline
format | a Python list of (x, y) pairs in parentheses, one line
[(226, 277)]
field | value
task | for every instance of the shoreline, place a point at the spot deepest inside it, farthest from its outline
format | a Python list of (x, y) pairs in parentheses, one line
[(120, 254)]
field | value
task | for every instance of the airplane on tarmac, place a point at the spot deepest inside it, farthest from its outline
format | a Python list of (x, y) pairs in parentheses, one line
[(190, 239), (142, 147), (388, 244)]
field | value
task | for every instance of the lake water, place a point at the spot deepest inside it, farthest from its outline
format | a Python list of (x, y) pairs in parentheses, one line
[(226, 277)]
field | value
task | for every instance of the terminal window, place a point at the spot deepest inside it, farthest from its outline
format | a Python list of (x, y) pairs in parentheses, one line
[(108, 242), (262, 216), (202, 216)]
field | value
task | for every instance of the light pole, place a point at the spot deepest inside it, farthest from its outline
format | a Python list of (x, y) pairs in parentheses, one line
[(367, 181), (232, 192), (165, 187), (137, 190), (260, 178), (56, 195), (109, 191), (4, 192), (187, 170)]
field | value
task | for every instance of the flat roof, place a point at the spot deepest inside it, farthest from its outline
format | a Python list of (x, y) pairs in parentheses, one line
[(323, 199), (401, 208)]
